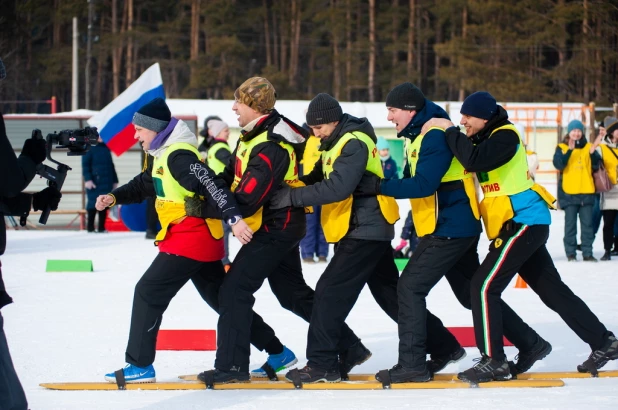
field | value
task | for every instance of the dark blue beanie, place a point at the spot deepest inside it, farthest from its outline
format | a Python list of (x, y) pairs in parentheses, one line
[(481, 104)]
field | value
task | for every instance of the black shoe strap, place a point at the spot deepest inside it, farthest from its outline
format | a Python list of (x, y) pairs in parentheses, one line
[(385, 378), (270, 372), (209, 379), (120, 380), (294, 375)]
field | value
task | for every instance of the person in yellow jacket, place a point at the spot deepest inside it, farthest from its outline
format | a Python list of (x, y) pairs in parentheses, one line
[(515, 212), (313, 244), (576, 160), (609, 200)]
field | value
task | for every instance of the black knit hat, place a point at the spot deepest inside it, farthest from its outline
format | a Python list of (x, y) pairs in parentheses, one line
[(323, 109), (154, 116), (480, 104), (406, 96)]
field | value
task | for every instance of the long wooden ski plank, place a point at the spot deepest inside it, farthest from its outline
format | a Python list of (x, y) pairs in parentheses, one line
[(362, 385)]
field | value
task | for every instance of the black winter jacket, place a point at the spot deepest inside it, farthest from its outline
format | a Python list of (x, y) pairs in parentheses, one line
[(16, 175), (366, 221)]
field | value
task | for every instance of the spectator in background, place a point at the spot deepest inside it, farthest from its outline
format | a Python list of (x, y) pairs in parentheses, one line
[(313, 244), (218, 157), (576, 160), (389, 166), (207, 141), (100, 176), (609, 200)]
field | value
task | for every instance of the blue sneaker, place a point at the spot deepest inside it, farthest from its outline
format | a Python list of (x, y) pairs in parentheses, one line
[(134, 374), (276, 363)]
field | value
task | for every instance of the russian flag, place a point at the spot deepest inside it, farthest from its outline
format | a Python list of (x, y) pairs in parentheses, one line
[(114, 121)]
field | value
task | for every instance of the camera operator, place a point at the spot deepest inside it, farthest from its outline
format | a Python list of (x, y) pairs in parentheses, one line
[(15, 175)]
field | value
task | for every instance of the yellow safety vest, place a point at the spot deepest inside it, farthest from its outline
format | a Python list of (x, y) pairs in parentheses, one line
[(509, 179), (577, 175), (610, 162), (211, 159), (335, 217), (311, 154), (170, 203), (243, 153), (425, 210)]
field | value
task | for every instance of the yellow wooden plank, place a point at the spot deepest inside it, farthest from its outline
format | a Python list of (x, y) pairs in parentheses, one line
[(362, 385)]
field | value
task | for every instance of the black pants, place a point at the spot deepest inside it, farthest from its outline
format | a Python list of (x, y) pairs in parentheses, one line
[(521, 248), (609, 219), (356, 263), (457, 259), (12, 395), (102, 216), (264, 257), (154, 291)]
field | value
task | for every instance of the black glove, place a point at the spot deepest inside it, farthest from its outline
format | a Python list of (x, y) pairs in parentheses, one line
[(193, 206), (369, 185), (282, 197), (35, 149), (50, 196)]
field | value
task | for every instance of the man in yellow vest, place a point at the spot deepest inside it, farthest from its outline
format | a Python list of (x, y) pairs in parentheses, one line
[(515, 212), (190, 248), (266, 157), (576, 160), (445, 214)]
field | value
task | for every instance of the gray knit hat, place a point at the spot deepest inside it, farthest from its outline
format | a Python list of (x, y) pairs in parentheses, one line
[(610, 124), (323, 109), (154, 116)]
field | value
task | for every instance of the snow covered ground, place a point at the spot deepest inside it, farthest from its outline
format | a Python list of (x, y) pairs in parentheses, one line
[(74, 326)]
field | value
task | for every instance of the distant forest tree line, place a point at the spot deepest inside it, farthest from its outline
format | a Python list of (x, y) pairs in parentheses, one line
[(356, 50)]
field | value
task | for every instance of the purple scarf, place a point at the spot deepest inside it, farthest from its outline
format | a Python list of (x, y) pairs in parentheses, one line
[(161, 137)]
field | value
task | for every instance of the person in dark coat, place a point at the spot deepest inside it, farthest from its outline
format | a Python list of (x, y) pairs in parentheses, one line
[(17, 174), (100, 178)]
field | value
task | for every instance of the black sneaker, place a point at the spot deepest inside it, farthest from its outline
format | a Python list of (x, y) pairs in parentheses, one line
[(400, 374), (571, 258), (217, 376), (606, 256), (614, 252), (438, 363), (486, 370), (353, 356), (525, 360), (313, 375), (599, 358), (590, 259)]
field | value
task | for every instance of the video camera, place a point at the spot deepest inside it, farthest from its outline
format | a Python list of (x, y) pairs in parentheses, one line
[(77, 141)]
